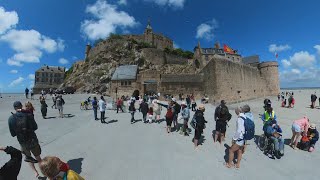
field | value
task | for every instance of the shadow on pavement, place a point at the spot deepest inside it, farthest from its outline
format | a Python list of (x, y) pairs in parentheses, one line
[(68, 115), (112, 121)]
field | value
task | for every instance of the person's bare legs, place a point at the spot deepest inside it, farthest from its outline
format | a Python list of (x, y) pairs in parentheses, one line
[(195, 142), (216, 135), (34, 169), (232, 150), (239, 157), (292, 138), (222, 138), (296, 140)]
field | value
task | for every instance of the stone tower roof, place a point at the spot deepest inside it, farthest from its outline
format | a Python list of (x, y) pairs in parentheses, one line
[(149, 25)]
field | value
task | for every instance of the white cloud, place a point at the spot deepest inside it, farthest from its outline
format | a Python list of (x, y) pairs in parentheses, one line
[(170, 3), (206, 30), (106, 19), (286, 63), (31, 76), (8, 20), (31, 84), (29, 46), (63, 61), (122, 2), (317, 47), (273, 48), (14, 71), (16, 82), (302, 59), (74, 57)]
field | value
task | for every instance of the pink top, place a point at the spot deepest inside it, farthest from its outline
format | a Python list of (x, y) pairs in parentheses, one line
[(303, 123)]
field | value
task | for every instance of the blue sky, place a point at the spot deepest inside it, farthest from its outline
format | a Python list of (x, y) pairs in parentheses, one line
[(55, 32)]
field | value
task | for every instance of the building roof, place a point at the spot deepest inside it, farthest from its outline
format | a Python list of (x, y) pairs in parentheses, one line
[(251, 59), (126, 72), (52, 69)]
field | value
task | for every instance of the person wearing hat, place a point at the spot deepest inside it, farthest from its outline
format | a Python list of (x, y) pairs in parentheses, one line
[(24, 126), (200, 124), (313, 136), (185, 115)]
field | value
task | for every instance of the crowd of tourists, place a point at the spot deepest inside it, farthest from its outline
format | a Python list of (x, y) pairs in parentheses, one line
[(23, 126)]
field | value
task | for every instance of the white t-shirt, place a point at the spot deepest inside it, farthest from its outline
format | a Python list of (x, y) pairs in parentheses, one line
[(239, 127), (102, 105)]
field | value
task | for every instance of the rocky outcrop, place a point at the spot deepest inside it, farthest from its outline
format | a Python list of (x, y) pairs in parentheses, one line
[(94, 74)]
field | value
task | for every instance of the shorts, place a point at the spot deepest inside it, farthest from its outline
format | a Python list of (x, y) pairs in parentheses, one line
[(221, 126), (169, 122), (240, 143), (296, 128), (36, 151)]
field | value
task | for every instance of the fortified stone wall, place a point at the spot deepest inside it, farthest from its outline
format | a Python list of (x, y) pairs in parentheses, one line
[(158, 57), (97, 49), (234, 82), (269, 71), (174, 59)]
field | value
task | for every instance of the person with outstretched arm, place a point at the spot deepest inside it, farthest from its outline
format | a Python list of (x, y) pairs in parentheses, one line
[(11, 169)]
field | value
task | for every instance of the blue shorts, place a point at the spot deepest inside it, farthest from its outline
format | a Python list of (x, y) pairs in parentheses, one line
[(296, 128)]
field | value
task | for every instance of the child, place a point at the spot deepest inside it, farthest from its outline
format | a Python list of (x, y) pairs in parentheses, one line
[(53, 168), (284, 103), (150, 114)]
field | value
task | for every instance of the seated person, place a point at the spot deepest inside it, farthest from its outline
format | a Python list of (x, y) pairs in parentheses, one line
[(273, 131), (268, 115), (313, 136)]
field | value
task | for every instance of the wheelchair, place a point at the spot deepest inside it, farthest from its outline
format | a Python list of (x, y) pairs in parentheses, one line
[(265, 144)]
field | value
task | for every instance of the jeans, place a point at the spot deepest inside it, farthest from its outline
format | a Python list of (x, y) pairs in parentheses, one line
[(144, 117), (278, 143), (102, 116), (132, 116), (185, 125), (95, 113)]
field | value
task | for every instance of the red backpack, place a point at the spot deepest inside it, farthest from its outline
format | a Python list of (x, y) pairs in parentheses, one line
[(169, 114)]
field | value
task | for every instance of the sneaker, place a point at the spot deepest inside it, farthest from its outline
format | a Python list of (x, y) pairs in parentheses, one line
[(30, 159)]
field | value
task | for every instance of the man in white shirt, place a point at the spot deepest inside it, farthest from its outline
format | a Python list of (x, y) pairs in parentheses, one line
[(102, 108), (238, 141)]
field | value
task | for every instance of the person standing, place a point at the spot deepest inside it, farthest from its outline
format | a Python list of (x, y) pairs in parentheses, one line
[(200, 124), (313, 100), (222, 116), (31, 93), (157, 110), (132, 108), (119, 105), (169, 114), (176, 111), (188, 100), (95, 108), (144, 110), (24, 126), (185, 115), (11, 169), (43, 107), (60, 102), (102, 107), (54, 99), (26, 92), (238, 142)]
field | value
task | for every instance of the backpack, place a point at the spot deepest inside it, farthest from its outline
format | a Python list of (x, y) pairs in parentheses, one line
[(25, 135), (249, 128), (177, 108), (224, 113), (193, 122), (169, 114)]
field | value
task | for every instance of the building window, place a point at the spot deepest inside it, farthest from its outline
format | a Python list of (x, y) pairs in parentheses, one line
[(122, 83), (129, 83)]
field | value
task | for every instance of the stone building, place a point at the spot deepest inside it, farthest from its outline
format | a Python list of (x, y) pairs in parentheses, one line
[(48, 77), (203, 55)]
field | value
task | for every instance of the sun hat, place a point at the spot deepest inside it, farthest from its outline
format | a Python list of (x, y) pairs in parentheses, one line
[(174, 99), (312, 126), (201, 107)]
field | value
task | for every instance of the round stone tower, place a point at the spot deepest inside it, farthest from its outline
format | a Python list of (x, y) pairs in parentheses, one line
[(269, 71)]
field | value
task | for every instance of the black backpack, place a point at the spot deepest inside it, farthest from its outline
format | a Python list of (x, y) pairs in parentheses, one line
[(177, 108), (25, 134), (224, 113)]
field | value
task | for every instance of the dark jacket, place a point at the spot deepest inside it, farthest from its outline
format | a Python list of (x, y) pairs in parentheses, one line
[(144, 108), (315, 135), (200, 121), (32, 126), (11, 169)]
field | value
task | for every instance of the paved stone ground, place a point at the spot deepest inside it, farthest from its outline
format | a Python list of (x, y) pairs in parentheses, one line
[(124, 151)]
